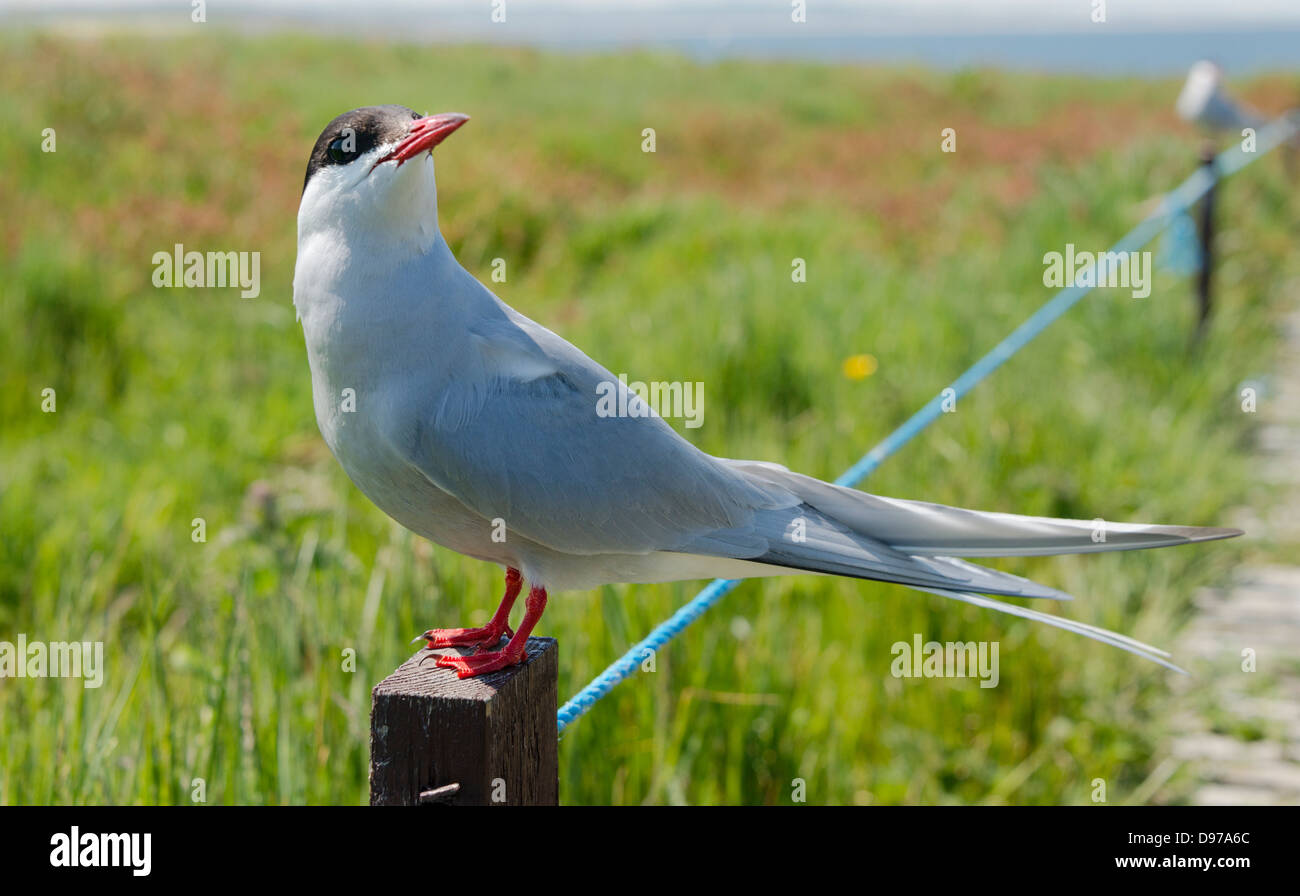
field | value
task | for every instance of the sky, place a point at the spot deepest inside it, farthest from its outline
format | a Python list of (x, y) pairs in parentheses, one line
[(1154, 38), (870, 16)]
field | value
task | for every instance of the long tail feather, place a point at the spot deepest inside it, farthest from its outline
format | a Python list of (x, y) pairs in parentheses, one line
[(1105, 636), (936, 530)]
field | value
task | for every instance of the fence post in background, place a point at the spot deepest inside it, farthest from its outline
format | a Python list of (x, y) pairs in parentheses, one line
[(1205, 276), (491, 740)]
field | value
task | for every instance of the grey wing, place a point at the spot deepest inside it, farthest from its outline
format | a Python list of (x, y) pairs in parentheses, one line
[(519, 433)]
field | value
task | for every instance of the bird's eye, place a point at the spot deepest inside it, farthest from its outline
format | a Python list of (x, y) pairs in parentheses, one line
[(338, 153)]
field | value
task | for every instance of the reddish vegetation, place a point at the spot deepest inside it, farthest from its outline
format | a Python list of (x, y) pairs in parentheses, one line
[(889, 168), (881, 168)]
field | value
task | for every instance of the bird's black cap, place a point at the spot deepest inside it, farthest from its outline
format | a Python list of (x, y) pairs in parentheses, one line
[(368, 127)]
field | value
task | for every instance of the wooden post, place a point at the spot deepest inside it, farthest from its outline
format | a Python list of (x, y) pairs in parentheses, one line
[(1205, 276), (491, 740)]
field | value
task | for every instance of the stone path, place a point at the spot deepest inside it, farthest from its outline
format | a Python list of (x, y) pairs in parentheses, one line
[(1240, 731)]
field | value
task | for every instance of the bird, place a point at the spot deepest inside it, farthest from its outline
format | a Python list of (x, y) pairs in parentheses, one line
[(482, 431), (1204, 102)]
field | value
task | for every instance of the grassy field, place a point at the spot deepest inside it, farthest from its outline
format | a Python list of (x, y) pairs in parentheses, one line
[(227, 659)]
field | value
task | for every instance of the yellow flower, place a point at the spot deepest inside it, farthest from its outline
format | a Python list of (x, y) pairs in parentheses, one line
[(859, 367)]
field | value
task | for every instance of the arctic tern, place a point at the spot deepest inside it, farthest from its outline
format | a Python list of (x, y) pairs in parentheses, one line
[(1204, 101), (478, 429)]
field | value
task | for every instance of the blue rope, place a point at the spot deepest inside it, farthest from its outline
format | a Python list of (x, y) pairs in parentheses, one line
[(1174, 203)]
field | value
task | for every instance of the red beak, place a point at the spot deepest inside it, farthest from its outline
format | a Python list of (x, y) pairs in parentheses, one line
[(425, 134)]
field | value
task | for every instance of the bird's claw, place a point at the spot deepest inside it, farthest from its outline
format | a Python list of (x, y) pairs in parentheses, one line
[(480, 663), (485, 636)]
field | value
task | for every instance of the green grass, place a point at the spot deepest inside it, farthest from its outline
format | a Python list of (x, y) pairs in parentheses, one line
[(226, 659)]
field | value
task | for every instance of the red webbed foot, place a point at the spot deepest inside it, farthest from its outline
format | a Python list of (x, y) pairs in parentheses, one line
[(485, 635), (479, 663), (511, 654)]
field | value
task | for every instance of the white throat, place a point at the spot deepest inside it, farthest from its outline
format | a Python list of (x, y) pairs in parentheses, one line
[(367, 220)]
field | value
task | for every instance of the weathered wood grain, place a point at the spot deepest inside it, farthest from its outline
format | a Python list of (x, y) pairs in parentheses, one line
[(493, 736)]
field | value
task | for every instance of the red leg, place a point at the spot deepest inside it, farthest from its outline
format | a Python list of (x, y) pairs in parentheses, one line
[(469, 666), (484, 636)]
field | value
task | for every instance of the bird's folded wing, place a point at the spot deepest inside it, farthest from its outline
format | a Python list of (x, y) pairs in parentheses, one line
[(524, 432)]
